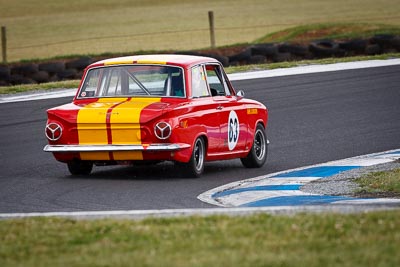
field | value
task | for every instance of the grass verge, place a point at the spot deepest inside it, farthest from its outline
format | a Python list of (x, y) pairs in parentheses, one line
[(4, 90), (369, 239), (380, 184), (306, 33)]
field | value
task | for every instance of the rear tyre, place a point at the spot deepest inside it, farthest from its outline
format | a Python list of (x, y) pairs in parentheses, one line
[(195, 166), (258, 153), (80, 167)]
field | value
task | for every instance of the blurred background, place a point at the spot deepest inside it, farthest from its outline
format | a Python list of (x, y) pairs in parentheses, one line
[(51, 28)]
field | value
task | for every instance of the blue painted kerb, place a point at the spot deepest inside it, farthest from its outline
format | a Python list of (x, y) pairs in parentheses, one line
[(257, 188), (320, 172), (323, 171), (295, 201)]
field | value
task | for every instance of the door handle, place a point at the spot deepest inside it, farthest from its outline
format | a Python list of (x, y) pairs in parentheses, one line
[(220, 107)]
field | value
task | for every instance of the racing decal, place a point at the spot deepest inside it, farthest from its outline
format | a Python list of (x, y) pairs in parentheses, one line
[(252, 111), (233, 130)]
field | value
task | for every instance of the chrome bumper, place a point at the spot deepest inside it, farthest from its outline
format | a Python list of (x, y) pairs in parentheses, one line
[(112, 148)]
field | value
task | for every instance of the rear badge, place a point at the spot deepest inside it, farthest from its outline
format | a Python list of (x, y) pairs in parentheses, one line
[(53, 131)]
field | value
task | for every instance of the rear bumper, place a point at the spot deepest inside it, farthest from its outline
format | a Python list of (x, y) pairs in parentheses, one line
[(114, 148)]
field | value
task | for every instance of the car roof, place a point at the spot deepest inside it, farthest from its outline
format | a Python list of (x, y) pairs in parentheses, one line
[(179, 60)]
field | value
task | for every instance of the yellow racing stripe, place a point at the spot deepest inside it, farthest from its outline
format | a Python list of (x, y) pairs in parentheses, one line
[(147, 61), (125, 126), (112, 121), (92, 127)]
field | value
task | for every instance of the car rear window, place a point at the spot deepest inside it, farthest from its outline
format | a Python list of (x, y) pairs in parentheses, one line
[(133, 80)]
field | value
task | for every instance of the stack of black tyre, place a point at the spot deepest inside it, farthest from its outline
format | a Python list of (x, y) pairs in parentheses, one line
[(264, 53), (32, 73)]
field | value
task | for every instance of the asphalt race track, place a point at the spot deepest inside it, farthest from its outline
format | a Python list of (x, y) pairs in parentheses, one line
[(314, 118)]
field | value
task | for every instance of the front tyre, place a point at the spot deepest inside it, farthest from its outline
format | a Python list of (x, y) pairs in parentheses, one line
[(258, 153), (80, 167), (195, 166)]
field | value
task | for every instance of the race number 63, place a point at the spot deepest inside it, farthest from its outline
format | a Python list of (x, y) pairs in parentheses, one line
[(233, 130)]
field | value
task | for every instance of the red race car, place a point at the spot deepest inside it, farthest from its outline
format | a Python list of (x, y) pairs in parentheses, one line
[(153, 108)]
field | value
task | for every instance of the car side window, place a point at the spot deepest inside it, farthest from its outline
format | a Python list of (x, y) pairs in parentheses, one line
[(91, 85), (216, 81), (199, 83), (114, 83)]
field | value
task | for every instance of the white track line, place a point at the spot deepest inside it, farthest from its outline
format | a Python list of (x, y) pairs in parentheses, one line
[(143, 214), (38, 96)]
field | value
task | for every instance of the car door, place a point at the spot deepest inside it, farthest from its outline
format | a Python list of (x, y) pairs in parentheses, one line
[(204, 110), (231, 112)]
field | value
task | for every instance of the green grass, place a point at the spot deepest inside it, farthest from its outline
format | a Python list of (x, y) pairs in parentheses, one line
[(47, 28), (5, 90), (370, 239), (306, 33), (380, 182)]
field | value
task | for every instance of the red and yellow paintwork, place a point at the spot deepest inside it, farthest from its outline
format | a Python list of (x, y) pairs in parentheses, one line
[(130, 120)]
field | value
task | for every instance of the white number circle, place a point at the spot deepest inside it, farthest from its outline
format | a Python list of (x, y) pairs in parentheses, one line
[(233, 130)]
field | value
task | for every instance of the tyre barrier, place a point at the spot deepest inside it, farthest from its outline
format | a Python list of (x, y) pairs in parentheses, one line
[(356, 45), (258, 59), (373, 49), (396, 43), (79, 64), (294, 49), (242, 57), (19, 73), (4, 73), (67, 74), (25, 69), (268, 50), (52, 67), (324, 48), (41, 77), (383, 40), (282, 57)]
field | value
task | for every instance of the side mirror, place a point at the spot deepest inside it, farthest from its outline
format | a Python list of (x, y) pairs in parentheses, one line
[(240, 94)]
